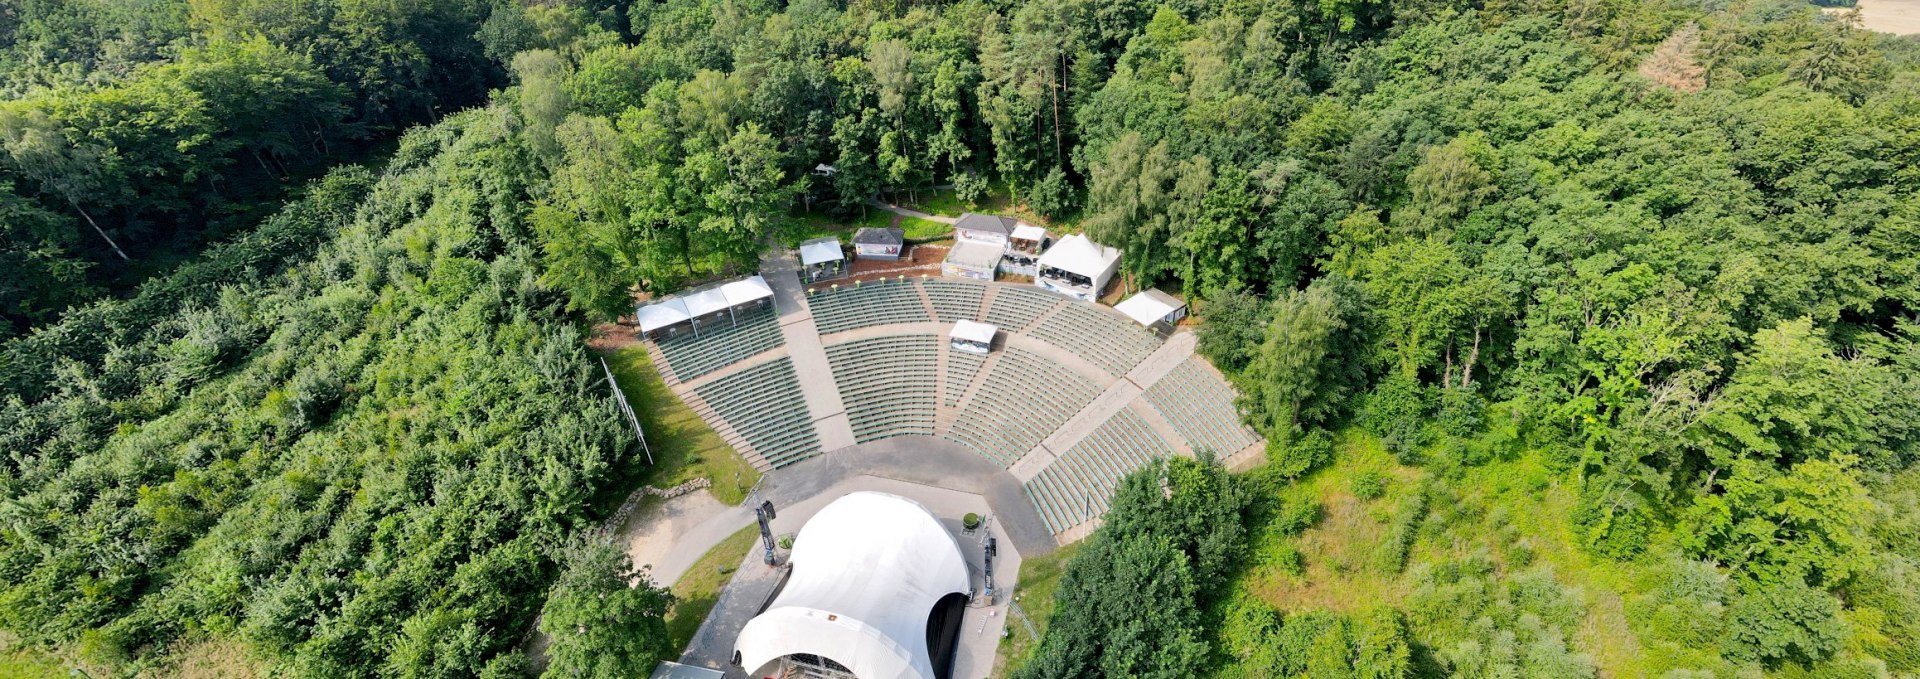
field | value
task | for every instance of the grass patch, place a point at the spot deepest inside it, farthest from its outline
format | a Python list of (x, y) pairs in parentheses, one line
[(1039, 577), (943, 202), (925, 229), (1343, 552), (684, 447), (699, 588), (23, 664)]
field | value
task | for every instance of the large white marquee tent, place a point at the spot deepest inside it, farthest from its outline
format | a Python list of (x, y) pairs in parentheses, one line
[(868, 571)]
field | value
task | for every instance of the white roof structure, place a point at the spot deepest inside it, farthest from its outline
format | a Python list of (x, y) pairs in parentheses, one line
[(973, 331), (749, 289), (867, 571), (661, 314), (820, 250), (708, 301), (1079, 255), (1149, 306), (1029, 232), (977, 255)]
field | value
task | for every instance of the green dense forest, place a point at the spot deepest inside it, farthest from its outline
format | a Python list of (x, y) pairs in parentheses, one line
[(1585, 333)]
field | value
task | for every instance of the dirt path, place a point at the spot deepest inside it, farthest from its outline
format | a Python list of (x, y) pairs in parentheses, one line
[(1899, 17)]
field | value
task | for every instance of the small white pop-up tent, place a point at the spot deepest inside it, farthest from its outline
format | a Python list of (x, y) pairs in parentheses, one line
[(869, 571), (972, 336), (1153, 309), (1077, 267), (821, 258)]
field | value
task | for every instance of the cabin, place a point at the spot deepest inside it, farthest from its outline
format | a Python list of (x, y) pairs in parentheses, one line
[(822, 259), (1077, 267), (989, 229), (1154, 310), (878, 243)]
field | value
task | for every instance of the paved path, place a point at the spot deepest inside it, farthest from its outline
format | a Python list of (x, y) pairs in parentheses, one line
[(810, 365), (904, 212), (669, 538)]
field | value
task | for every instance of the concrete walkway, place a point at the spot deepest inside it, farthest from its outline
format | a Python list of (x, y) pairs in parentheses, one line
[(810, 364), (904, 212), (668, 539)]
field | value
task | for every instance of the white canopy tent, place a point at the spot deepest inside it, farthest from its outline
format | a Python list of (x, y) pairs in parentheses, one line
[(1029, 232), (972, 336), (747, 291), (704, 302), (658, 315), (1077, 267), (1150, 307), (868, 570), (820, 251)]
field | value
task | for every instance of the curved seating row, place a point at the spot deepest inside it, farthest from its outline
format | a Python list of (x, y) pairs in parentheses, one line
[(962, 368), (764, 405), (953, 301), (1103, 337), (1015, 308), (1025, 398), (1076, 487), (1200, 406), (887, 384), (873, 303), (721, 343)]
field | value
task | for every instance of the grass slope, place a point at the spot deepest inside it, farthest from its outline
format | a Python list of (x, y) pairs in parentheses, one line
[(1039, 577), (684, 447), (699, 589)]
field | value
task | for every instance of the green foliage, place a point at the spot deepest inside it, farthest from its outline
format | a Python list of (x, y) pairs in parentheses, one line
[(1052, 197), (598, 621), (1131, 600), (1370, 485), (1784, 622), (1233, 329), (1396, 411), (1293, 455), (1483, 626), (1304, 370), (359, 465)]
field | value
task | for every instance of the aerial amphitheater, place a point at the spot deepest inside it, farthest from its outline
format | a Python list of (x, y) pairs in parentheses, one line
[(919, 434)]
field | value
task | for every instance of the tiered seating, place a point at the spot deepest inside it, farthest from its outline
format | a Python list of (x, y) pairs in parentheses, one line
[(1015, 307), (875, 303), (1025, 398), (1106, 339), (763, 403), (887, 384), (1200, 406), (962, 367), (954, 301), (1075, 488), (721, 344)]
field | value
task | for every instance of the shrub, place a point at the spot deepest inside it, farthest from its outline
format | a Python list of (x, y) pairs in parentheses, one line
[(971, 521), (1370, 484), (970, 187), (1303, 453), (1404, 530), (1052, 196), (1395, 412), (1784, 621)]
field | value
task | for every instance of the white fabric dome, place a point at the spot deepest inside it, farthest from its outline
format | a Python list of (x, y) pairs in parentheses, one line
[(867, 572)]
